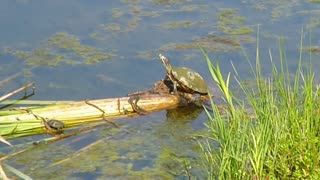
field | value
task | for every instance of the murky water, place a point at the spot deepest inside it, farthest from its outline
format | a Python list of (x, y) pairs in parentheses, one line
[(76, 50)]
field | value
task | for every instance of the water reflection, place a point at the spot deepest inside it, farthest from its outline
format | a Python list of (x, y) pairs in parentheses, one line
[(183, 114)]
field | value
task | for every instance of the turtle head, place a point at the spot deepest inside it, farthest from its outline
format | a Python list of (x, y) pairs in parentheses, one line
[(165, 62)]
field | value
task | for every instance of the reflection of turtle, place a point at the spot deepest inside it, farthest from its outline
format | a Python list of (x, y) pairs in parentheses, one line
[(184, 78), (55, 124)]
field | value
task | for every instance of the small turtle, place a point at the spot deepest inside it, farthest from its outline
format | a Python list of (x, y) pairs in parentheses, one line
[(186, 79), (55, 124), (133, 100)]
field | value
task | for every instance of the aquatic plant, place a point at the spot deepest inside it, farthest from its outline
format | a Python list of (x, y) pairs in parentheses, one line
[(270, 133), (230, 23)]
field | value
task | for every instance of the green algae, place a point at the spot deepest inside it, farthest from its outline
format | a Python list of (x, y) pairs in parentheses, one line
[(72, 44), (39, 57), (313, 22), (174, 25), (235, 31), (168, 2), (312, 49), (116, 13), (211, 43), (131, 1), (229, 17), (230, 22), (191, 8), (121, 154), (280, 9), (149, 55), (112, 27), (115, 170), (77, 52), (260, 7), (62, 48)]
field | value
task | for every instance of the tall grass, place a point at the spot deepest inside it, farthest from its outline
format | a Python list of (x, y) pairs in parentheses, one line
[(273, 133)]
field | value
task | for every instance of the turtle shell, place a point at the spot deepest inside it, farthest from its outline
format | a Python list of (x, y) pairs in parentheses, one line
[(189, 80), (55, 124)]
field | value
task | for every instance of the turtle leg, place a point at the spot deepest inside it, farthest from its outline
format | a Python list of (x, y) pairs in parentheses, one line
[(207, 106), (133, 100), (175, 84), (196, 99)]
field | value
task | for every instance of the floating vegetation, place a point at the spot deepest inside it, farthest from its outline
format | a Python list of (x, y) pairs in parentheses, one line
[(132, 24), (193, 8), (313, 49), (62, 47), (282, 9), (39, 57), (129, 25), (230, 23), (314, 22), (229, 17), (239, 30), (116, 13), (71, 43), (211, 43), (260, 7), (150, 13), (168, 2), (115, 155), (181, 24), (112, 27), (131, 1), (146, 54)]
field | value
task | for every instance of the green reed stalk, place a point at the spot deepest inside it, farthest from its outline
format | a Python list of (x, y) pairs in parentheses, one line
[(277, 138)]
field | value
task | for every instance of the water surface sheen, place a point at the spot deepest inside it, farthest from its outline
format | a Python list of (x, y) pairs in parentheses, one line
[(77, 49)]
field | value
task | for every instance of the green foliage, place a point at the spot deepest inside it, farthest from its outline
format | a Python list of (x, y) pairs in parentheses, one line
[(277, 139)]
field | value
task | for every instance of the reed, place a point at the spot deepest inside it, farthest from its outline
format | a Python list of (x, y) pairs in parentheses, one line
[(272, 132)]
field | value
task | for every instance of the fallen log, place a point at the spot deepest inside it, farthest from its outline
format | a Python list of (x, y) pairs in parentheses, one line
[(28, 121)]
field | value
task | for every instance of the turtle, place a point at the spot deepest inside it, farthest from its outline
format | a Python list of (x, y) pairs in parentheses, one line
[(184, 78), (133, 100), (55, 124)]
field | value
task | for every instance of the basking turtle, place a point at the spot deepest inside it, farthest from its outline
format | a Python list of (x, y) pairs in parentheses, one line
[(184, 78), (55, 124), (133, 100)]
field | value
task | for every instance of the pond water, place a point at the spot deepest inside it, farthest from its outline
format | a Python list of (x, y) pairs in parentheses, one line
[(77, 50)]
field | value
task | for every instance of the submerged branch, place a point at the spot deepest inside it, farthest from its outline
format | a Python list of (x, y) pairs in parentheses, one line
[(23, 88)]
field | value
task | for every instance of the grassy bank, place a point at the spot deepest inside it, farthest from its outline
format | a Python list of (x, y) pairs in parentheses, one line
[(272, 132)]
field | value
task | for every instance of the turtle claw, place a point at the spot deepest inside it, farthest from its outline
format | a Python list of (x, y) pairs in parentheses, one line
[(133, 100)]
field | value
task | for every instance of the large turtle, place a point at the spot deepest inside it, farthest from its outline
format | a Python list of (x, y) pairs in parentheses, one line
[(184, 78)]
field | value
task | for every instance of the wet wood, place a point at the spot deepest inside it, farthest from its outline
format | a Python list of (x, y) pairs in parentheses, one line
[(96, 109), (156, 99), (87, 111)]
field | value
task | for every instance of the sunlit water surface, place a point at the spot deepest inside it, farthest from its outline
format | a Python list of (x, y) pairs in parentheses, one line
[(78, 50)]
